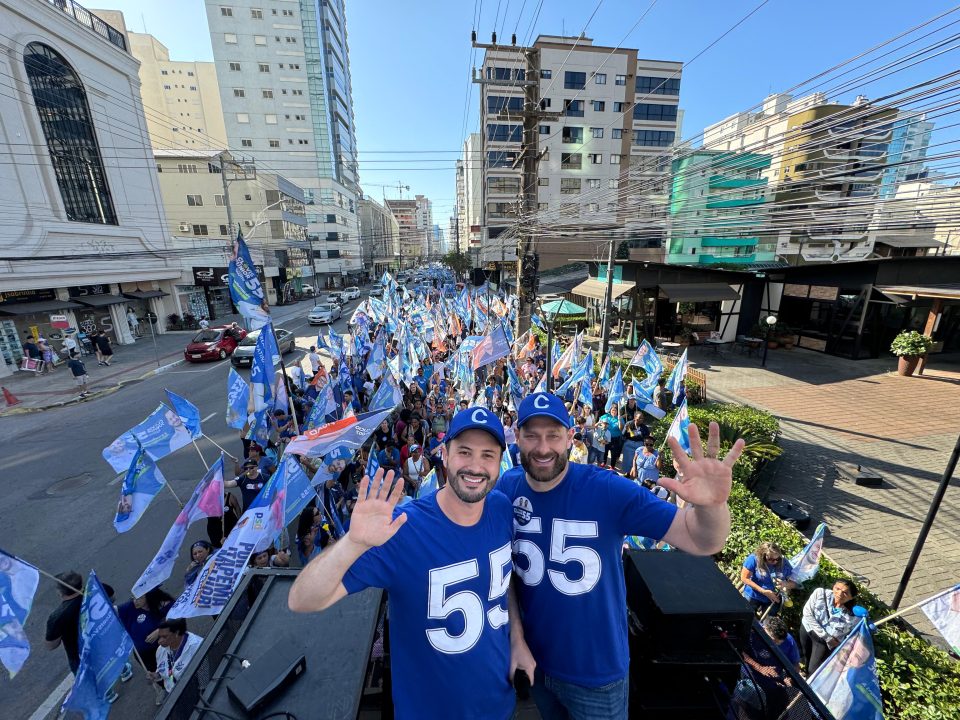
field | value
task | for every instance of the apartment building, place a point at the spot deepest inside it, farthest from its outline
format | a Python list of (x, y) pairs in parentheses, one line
[(604, 160), (415, 220), (470, 194), (284, 74), (380, 232)]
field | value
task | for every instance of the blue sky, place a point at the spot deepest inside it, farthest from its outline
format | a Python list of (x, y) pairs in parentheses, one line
[(410, 60)]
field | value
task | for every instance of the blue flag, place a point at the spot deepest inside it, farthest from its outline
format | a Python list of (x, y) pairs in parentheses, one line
[(160, 434), (806, 563), (372, 464), (238, 398), (259, 430), (298, 492), (104, 648), (847, 681), (677, 376), (266, 355), (428, 486), (647, 358), (538, 321), (617, 391), (140, 485), (187, 411), (245, 288), (680, 427), (387, 396), (18, 585), (324, 406), (586, 393), (493, 347), (516, 387)]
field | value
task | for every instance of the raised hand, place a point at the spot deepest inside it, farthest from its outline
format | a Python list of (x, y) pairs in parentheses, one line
[(703, 479), (372, 522)]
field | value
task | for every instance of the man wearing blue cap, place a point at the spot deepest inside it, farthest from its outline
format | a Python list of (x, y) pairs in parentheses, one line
[(445, 562), (569, 525)]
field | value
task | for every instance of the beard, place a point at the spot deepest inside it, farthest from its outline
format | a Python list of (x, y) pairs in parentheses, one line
[(544, 475), (468, 495)]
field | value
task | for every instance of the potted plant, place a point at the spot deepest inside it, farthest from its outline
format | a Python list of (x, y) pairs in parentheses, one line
[(173, 321), (910, 347)]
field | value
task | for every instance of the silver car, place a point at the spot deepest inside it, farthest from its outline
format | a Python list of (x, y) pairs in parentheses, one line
[(243, 355), (324, 313)]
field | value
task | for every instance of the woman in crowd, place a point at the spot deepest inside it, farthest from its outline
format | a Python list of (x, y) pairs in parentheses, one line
[(827, 619), (200, 551), (766, 578), (615, 428), (141, 617), (646, 462)]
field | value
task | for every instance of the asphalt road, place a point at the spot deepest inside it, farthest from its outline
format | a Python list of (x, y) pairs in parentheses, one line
[(59, 498)]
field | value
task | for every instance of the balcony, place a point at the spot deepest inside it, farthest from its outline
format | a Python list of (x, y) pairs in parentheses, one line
[(91, 21), (726, 259), (723, 181), (734, 203), (719, 242)]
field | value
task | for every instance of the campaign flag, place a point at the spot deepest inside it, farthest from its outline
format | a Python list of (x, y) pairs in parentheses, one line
[(680, 427), (350, 432), (617, 391), (335, 341), (18, 585), (538, 321), (377, 361), (847, 681), (326, 404), (104, 649), (506, 461), (160, 434), (943, 611), (516, 387), (266, 355), (605, 371), (387, 396), (298, 492), (238, 399), (188, 412), (586, 393), (206, 501), (245, 288), (676, 378), (542, 385), (281, 400), (564, 360), (647, 358), (254, 532), (428, 485), (493, 347), (140, 485), (507, 331), (372, 464), (806, 562)]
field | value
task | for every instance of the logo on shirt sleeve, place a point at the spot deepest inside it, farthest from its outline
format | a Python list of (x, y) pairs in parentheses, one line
[(522, 510)]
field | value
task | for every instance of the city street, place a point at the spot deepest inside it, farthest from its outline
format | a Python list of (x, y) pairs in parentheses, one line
[(60, 498)]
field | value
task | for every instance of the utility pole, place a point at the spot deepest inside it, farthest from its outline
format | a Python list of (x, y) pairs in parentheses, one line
[(531, 116), (607, 303)]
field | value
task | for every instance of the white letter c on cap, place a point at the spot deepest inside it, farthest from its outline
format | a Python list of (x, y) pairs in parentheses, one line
[(482, 419), (537, 402)]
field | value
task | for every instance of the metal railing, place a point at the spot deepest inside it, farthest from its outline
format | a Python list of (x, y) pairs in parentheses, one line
[(87, 18)]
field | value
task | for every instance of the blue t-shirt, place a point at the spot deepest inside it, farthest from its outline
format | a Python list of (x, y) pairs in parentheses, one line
[(764, 579), (789, 649), (447, 588), (568, 545)]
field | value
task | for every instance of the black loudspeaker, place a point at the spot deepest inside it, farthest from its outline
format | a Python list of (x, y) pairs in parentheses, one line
[(687, 626), (478, 277)]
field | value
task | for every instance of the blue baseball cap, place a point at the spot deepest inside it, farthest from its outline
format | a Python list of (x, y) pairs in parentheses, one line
[(543, 405), (476, 418)]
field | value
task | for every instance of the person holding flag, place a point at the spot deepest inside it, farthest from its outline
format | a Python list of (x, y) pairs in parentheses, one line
[(586, 511), (827, 619), (454, 540)]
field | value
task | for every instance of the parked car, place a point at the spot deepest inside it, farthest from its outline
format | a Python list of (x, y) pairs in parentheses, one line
[(352, 292), (243, 355), (308, 290), (336, 298), (213, 344), (376, 291), (324, 313)]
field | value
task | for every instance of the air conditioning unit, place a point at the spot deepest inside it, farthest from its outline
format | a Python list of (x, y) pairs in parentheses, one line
[(248, 223), (184, 227)]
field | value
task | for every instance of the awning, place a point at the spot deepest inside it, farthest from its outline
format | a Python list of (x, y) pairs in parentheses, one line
[(144, 294), (699, 292), (103, 300), (950, 291), (597, 289), (909, 242), (41, 306)]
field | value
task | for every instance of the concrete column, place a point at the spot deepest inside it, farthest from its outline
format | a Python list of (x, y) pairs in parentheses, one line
[(933, 320), (156, 307), (120, 327)]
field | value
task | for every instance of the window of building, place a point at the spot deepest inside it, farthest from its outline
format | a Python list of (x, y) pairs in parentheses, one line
[(544, 103), (286, 13), (332, 236), (613, 183), (498, 103), (571, 161), (574, 80), (219, 200), (224, 230), (501, 159), (200, 230), (572, 135), (546, 74), (502, 209), (619, 107), (270, 119), (611, 206), (543, 182), (166, 87), (333, 254), (569, 186), (542, 206), (239, 92), (620, 80), (294, 66), (243, 118), (186, 168), (264, 67), (573, 108), (593, 183), (596, 159), (616, 133), (301, 141), (596, 132), (189, 73), (274, 143), (230, 38), (655, 112), (600, 78), (503, 185), (654, 138), (163, 72), (296, 92), (235, 66), (593, 207), (331, 219), (194, 89), (647, 85), (256, 13), (599, 105), (290, 39), (504, 133), (614, 159), (226, 11), (195, 200), (267, 94), (246, 142), (544, 129), (259, 39)]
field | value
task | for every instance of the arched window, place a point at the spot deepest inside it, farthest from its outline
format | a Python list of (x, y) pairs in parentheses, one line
[(61, 103)]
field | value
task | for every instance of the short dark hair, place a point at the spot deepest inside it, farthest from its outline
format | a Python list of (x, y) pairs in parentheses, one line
[(776, 628), (71, 578), (177, 627)]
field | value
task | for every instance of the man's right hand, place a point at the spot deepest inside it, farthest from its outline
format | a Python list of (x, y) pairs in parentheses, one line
[(772, 596), (372, 522)]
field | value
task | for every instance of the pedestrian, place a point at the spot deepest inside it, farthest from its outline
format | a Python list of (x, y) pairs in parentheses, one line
[(314, 357), (584, 674), (141, 617), (79, 371), (134, 322), (47, 354), (579, 452), (204, 323), (766, 575), (250, 482), (827, 619), (415, 469), (660, 394), (615, 425), (176, 649), (70, 343), (30, 347), (200, 551), (646, 462), (104, 349)]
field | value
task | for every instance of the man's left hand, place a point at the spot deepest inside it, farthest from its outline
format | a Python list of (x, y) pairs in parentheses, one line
[(703, 479), (521, 659)]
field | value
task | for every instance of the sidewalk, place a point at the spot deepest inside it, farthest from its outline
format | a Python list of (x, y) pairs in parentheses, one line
[(130, 364)]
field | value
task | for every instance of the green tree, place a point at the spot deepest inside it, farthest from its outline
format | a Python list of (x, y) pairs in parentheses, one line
[(458, 262)]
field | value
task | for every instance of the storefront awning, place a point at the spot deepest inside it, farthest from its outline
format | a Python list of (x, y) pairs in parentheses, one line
[(699, 292), (97, 301), (41, 306), (144, 294), (597, 289), (949, 291)]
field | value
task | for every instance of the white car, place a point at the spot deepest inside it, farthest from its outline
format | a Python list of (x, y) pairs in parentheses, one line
[(351, 293), (325, 313), (336, 298)]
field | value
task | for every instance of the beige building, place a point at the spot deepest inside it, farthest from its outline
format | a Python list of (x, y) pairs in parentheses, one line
[(415, 219), (379, 236), (181, 99)]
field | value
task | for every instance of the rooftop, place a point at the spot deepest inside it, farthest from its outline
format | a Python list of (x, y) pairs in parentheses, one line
[(91, 21)]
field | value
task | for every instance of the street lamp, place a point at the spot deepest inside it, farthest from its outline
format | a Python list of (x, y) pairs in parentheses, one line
[(771, 321)]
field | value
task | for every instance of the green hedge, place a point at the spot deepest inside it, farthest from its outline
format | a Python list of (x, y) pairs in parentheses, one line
[(918, 680)]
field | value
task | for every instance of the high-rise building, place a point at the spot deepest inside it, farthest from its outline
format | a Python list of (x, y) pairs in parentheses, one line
[(470, 194), (603, 162), (284, 74), (381, 237), (415, 219), (84, 231), (908, 149)]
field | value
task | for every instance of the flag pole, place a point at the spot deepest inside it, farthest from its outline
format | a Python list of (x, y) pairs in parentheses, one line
[(908, 608), (52, 577), (206, 467), (232, 457), (174, 492)]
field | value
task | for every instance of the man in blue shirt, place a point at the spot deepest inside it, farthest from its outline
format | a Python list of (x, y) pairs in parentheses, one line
[(569, 524), (445, 561)]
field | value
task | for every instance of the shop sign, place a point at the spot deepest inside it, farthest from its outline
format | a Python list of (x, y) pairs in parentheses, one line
[(84, 290), (217, 276), (59, 321), (15, 296)]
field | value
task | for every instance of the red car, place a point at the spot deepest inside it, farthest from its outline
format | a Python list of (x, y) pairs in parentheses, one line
[(213, 344)]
